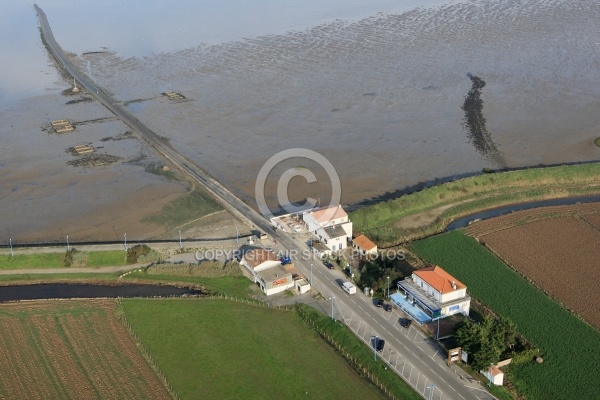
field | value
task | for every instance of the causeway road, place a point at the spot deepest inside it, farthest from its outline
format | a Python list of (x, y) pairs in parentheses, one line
[(425, 369)]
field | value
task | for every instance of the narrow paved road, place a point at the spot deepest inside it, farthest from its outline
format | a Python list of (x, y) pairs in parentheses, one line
[(428, 370)]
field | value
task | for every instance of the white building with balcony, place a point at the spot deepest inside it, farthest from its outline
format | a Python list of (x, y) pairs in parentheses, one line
[(435, 293)]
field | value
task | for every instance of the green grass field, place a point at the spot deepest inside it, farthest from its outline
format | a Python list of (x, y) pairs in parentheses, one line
[(106, 258), (191, 206), (571, 367), (470, 195), (42, 260), (219, 349), (56, 260), (230, 286), (29, 278)]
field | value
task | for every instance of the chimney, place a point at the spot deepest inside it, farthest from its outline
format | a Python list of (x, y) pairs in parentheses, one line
[(453, 285)]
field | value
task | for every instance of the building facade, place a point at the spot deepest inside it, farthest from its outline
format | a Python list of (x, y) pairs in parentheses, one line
[(437, 293), (266, 270), (362, 245)]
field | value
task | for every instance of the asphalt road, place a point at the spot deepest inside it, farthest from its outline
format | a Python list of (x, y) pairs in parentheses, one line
[(426, 367)]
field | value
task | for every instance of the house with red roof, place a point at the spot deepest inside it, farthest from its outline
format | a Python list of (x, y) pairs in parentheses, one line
[(435, 292), (363, 245)]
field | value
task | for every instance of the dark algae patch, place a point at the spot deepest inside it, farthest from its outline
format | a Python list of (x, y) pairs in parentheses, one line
[(475, 123)]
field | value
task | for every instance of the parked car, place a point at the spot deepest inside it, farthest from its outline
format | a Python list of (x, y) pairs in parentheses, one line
[(387, 307), (379, 303), (405, 322), (329, 265), (377, 343)]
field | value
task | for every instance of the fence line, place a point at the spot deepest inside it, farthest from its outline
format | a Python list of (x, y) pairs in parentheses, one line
[(145, 353)]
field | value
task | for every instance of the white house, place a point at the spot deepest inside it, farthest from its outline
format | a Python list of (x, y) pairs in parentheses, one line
[(259, 259), (436, 292), (331, 225), (325, 216), (363, 245), (494, 374), (267, 271)]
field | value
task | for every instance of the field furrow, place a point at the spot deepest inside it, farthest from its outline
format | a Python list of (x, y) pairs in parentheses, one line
[(71, 349)]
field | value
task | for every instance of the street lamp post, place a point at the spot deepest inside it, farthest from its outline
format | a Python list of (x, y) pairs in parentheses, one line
[(11, 250), (237, 235), (332, 298), (375, 340), (431, 387), (180, 245), (68, 247), (388, 296), (490, 383), (125, 243), (311, 274)]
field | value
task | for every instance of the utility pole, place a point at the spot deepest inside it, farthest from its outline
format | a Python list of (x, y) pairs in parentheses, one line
[(311, 274), (125, 241), (68, 247), (375, 340), (332, 298), (11, 250), (388, 296), (237, 235), (180, 246)]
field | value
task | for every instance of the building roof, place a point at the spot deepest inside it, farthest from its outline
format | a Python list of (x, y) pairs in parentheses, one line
[(326, 214), (255, 257), (439, 279), (320, 247), (496, 371), (273, 273), (335, 231), (364, 243)]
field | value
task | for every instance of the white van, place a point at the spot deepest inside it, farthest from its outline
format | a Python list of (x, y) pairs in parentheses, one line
[(349, 287)]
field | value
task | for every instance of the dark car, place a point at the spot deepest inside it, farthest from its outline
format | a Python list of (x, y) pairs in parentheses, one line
[(329, 265), (377, 343), (405, 322), (379, 303), (387, 307)]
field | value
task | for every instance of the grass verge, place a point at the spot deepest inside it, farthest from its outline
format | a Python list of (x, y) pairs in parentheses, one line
[(356, 353), (104, 258), (231, 286), (32, 278), (469, 195), (569, 346), (226, 349), (40, 260)]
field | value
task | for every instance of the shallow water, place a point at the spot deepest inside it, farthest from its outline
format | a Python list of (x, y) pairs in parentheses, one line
[(376, 87), (382, 97), (88, 291)]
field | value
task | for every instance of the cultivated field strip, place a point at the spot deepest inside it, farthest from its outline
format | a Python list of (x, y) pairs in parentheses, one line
[(71, 350), (556, 248), (591, 211)]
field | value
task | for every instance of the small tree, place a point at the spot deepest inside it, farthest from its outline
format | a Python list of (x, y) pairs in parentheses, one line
[(486, 341)]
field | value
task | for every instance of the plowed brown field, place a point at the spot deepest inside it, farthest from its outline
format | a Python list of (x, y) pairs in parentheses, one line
[(71, 349), (556, 248)]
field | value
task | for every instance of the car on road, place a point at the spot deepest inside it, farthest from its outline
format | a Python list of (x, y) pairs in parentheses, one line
[(377, 343), (329, 265), (379, 303), (405, 322)]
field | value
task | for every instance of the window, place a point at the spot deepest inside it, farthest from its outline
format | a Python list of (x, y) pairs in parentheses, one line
[(454, 308)]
